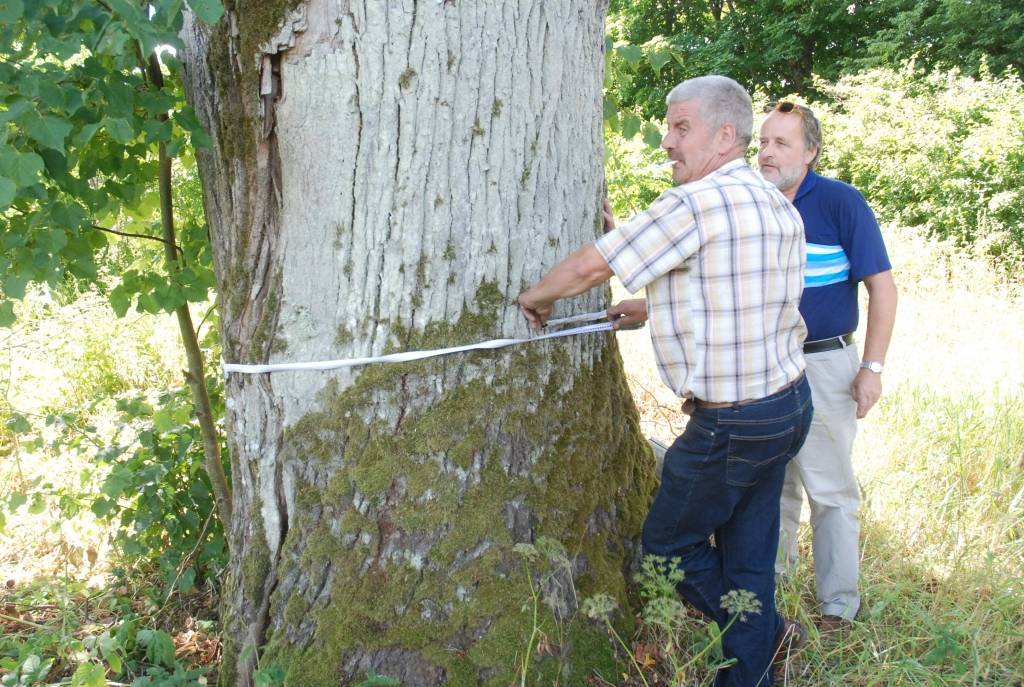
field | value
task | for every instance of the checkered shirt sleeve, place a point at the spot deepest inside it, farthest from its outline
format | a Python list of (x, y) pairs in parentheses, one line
[(722, 260), (653, 243)]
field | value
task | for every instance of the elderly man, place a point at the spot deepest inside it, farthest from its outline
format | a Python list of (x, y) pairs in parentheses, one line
[(722, 258), (844, 247)]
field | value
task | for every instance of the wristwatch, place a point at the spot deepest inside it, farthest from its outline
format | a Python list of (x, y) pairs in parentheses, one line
[(872, 365)]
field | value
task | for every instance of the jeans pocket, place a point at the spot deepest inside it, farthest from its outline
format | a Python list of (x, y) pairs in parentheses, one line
[(688, 455), (750, 456)]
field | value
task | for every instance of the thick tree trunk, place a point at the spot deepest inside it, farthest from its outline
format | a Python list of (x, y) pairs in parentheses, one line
[(389, 176)]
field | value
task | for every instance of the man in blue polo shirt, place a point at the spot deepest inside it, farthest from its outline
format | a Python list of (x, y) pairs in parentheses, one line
[(844, 247)]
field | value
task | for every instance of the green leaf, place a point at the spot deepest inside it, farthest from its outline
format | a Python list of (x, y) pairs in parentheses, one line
[(374, 679), (210, 11), (10, 11), (114, 661), (14, 110), (22, 168), (187, 580), (149, 303), (201, 140), (157, 102), (119, 129), (14, 287), (159, 647), (89, 675), (16, 500), (120, 300), (117, 482), (51, 94), (7, 191), (187, 120), (630, 126), (658, 59), (631, 53), (652, 135), (174, 146), (101, 507), (163, 422), (271, 676), (610, 109), (52, 240), (7, 317), (49, 132), (38, 504), (84, 135)]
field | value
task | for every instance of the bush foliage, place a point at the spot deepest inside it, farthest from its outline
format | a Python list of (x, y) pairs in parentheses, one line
[(943, 152)]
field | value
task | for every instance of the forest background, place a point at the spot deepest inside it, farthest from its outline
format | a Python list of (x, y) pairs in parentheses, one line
[(112, 549)]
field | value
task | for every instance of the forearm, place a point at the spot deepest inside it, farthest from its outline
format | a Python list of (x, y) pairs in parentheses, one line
[(580, 272), (882, 299)]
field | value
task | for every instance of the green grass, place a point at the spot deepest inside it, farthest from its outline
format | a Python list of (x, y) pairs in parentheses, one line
[(942, 550)]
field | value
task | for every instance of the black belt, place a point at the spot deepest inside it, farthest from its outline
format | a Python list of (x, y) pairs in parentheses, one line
[(822, 345)]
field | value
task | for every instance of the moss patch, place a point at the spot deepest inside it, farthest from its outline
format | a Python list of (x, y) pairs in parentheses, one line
[(405, 79), (433, 489)]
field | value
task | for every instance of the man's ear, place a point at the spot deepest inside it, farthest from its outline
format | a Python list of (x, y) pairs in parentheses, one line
[(810, 155), (726, 138)]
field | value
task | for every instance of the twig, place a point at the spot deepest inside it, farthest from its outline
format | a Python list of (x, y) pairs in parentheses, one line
[(28, 623), (138, 236), (199, 327), (184, 563)]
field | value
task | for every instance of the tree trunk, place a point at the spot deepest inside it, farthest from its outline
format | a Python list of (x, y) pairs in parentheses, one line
[(389, 176)]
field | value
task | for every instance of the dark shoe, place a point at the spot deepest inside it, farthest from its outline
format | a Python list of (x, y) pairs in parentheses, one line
[(788, 643), (829, 624)]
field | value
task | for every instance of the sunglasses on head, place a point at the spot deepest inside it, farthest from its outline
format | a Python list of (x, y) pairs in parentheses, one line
[(785, 107)]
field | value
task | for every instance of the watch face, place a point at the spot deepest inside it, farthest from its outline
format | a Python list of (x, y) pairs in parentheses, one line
[(872, 365)]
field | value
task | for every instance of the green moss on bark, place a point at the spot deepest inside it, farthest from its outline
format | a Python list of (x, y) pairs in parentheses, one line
[(424, 560)]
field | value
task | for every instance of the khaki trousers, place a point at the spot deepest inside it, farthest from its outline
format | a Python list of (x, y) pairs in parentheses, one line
[(824, 469)]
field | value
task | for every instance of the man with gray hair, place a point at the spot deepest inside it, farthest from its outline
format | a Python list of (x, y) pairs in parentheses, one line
[(844, 247), (721, 256)]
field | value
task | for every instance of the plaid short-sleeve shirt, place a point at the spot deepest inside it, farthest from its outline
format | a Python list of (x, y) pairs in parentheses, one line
[(723, 261)]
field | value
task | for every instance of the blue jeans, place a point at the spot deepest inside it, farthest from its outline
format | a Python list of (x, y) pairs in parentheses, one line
[(724, 476)]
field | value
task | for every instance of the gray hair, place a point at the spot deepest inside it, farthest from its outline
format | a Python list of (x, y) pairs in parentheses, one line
[(812, 133), (722, 101)]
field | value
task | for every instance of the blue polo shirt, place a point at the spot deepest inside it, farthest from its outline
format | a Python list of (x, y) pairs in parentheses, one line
[(844, 245)]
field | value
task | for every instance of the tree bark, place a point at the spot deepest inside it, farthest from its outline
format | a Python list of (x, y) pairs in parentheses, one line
[(389, 176)]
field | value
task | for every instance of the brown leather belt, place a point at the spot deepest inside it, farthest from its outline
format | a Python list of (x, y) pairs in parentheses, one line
[(698, 403)]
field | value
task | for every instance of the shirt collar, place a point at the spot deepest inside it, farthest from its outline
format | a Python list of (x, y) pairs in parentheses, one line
[(809, 182), (733, 164)]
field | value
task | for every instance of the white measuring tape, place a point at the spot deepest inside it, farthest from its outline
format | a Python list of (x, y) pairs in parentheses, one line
[(420, 355)]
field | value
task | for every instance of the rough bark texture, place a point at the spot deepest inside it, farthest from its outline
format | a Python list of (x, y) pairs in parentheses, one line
[(389, 176)]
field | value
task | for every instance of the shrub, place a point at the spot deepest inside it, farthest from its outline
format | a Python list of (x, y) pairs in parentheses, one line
[(942, 152)]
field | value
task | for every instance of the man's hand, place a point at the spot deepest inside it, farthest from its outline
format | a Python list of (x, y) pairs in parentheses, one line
[(867, 389), (609, 215), (537, 311), (581, 271), (625, 313)]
